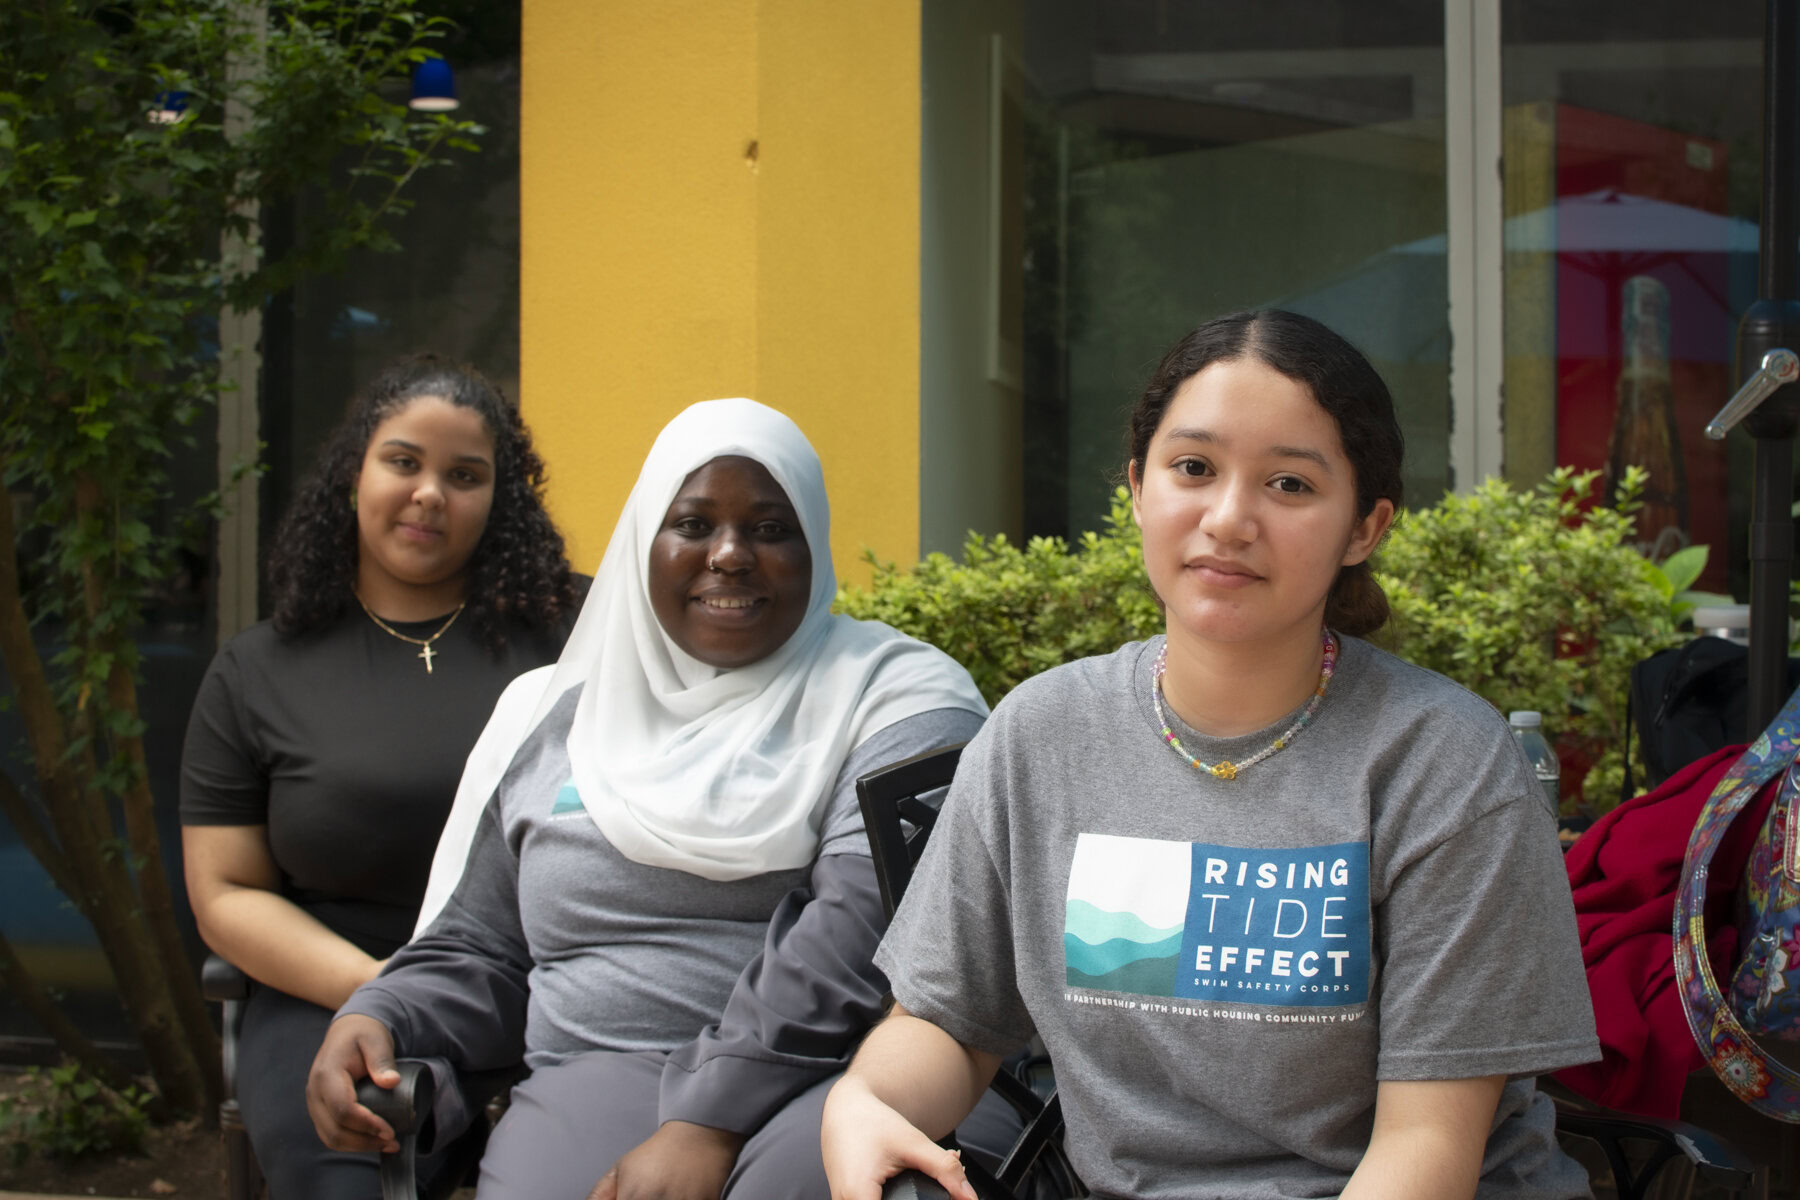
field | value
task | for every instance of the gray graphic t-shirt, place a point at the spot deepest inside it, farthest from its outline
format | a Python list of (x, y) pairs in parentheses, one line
[(1223, 970)]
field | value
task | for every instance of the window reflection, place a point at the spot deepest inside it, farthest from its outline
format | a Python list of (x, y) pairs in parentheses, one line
[(1183, 161), (452, 288), (1632, 177)]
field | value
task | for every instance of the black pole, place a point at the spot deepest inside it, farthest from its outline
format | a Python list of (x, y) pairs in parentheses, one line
[(1781, 126), (1774, 321)]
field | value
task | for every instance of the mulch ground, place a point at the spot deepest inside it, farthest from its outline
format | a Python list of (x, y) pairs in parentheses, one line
[(183, 1159)]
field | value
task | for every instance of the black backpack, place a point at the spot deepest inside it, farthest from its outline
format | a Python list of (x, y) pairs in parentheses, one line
[(1688, 702)]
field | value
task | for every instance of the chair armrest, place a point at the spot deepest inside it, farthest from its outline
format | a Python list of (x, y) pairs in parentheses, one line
[(224, 984), (1715, 1160), (406, 1107), (916, 1185), (219, 980), (913, 1185)]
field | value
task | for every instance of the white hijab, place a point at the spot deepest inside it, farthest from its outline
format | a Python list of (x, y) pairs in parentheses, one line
[(721, 773)]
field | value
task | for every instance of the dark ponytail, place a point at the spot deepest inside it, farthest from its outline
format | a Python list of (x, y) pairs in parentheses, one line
[(1357, 605)]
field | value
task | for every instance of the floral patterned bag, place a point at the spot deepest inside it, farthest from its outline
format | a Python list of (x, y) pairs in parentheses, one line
[(1765, 987)]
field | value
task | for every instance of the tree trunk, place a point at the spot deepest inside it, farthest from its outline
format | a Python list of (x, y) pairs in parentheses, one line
[(158, 905), (69, 1039), (109, 901), (89, 860)]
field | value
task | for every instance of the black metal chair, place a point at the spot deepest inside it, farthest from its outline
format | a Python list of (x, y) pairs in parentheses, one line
[(221, 981), (1637, 1149), (899, 814), (899, 820), (407, 1108)]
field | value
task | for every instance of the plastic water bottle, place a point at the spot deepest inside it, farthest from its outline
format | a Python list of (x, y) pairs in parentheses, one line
[(1527, 726)]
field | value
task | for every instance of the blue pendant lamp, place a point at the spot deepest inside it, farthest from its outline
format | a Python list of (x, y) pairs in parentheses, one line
[(168, 108), (433, 86)]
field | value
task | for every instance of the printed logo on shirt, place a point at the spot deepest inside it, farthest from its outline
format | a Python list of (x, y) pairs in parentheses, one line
[(568, 800), (1204, 922)]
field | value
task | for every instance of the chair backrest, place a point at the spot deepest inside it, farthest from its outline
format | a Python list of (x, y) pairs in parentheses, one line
[(898, 817), (899, 820)]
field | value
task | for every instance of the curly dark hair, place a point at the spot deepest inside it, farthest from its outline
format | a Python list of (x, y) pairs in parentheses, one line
[(518, 574)]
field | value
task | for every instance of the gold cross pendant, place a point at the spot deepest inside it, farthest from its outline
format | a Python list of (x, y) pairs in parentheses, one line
[(425, 654)]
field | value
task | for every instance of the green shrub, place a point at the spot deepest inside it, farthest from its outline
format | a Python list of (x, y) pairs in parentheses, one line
[(1008, 612), (69, 1115), (1526, 598), (1531, 600)]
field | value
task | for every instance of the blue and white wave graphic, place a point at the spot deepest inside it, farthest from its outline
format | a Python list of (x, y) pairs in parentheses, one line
[(1126, 907)]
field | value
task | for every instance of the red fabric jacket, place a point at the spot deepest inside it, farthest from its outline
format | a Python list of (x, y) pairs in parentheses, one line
[(1625, 872)]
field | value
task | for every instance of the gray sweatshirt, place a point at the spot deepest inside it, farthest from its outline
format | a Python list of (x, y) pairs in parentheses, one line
[(554, 943)]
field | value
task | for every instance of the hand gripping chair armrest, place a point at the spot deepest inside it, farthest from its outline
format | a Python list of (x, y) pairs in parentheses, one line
[(1716, 1161), (406, 1107), (916, 1185)]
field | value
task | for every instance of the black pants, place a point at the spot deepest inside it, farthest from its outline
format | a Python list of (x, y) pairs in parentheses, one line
[(280, 1037)]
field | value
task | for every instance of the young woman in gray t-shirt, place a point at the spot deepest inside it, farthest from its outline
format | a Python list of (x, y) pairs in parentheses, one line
[(1287, 912)]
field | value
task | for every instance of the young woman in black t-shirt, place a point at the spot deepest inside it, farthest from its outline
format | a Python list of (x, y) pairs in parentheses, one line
[(415, 575)]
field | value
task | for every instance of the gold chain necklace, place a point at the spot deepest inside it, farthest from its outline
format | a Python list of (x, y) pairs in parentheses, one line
[(426, 652)]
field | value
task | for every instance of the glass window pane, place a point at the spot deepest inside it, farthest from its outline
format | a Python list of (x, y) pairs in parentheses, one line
[(451, 288), (1184, 161), (1632, 177)]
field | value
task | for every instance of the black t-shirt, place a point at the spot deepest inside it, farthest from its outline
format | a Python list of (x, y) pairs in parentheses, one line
[(342, 744)]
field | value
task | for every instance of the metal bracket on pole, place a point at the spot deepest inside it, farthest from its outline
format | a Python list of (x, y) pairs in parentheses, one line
[(1778, 367)]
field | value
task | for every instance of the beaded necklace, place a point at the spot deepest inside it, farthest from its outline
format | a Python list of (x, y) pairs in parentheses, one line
[(1224, 769)]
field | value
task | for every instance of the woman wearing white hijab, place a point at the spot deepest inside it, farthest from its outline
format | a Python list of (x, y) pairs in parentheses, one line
[(656, 886)]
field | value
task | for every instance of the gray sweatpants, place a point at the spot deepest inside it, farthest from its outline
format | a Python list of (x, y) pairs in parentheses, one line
[(568, 1124)]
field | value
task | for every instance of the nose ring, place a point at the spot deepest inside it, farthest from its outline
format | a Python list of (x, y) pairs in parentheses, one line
[(712, 564)]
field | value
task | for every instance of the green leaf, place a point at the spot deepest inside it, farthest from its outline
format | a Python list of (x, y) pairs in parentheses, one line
[(1685, 566), (1706, 599)]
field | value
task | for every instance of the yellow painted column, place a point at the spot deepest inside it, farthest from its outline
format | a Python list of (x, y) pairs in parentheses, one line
[(720, 198)]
